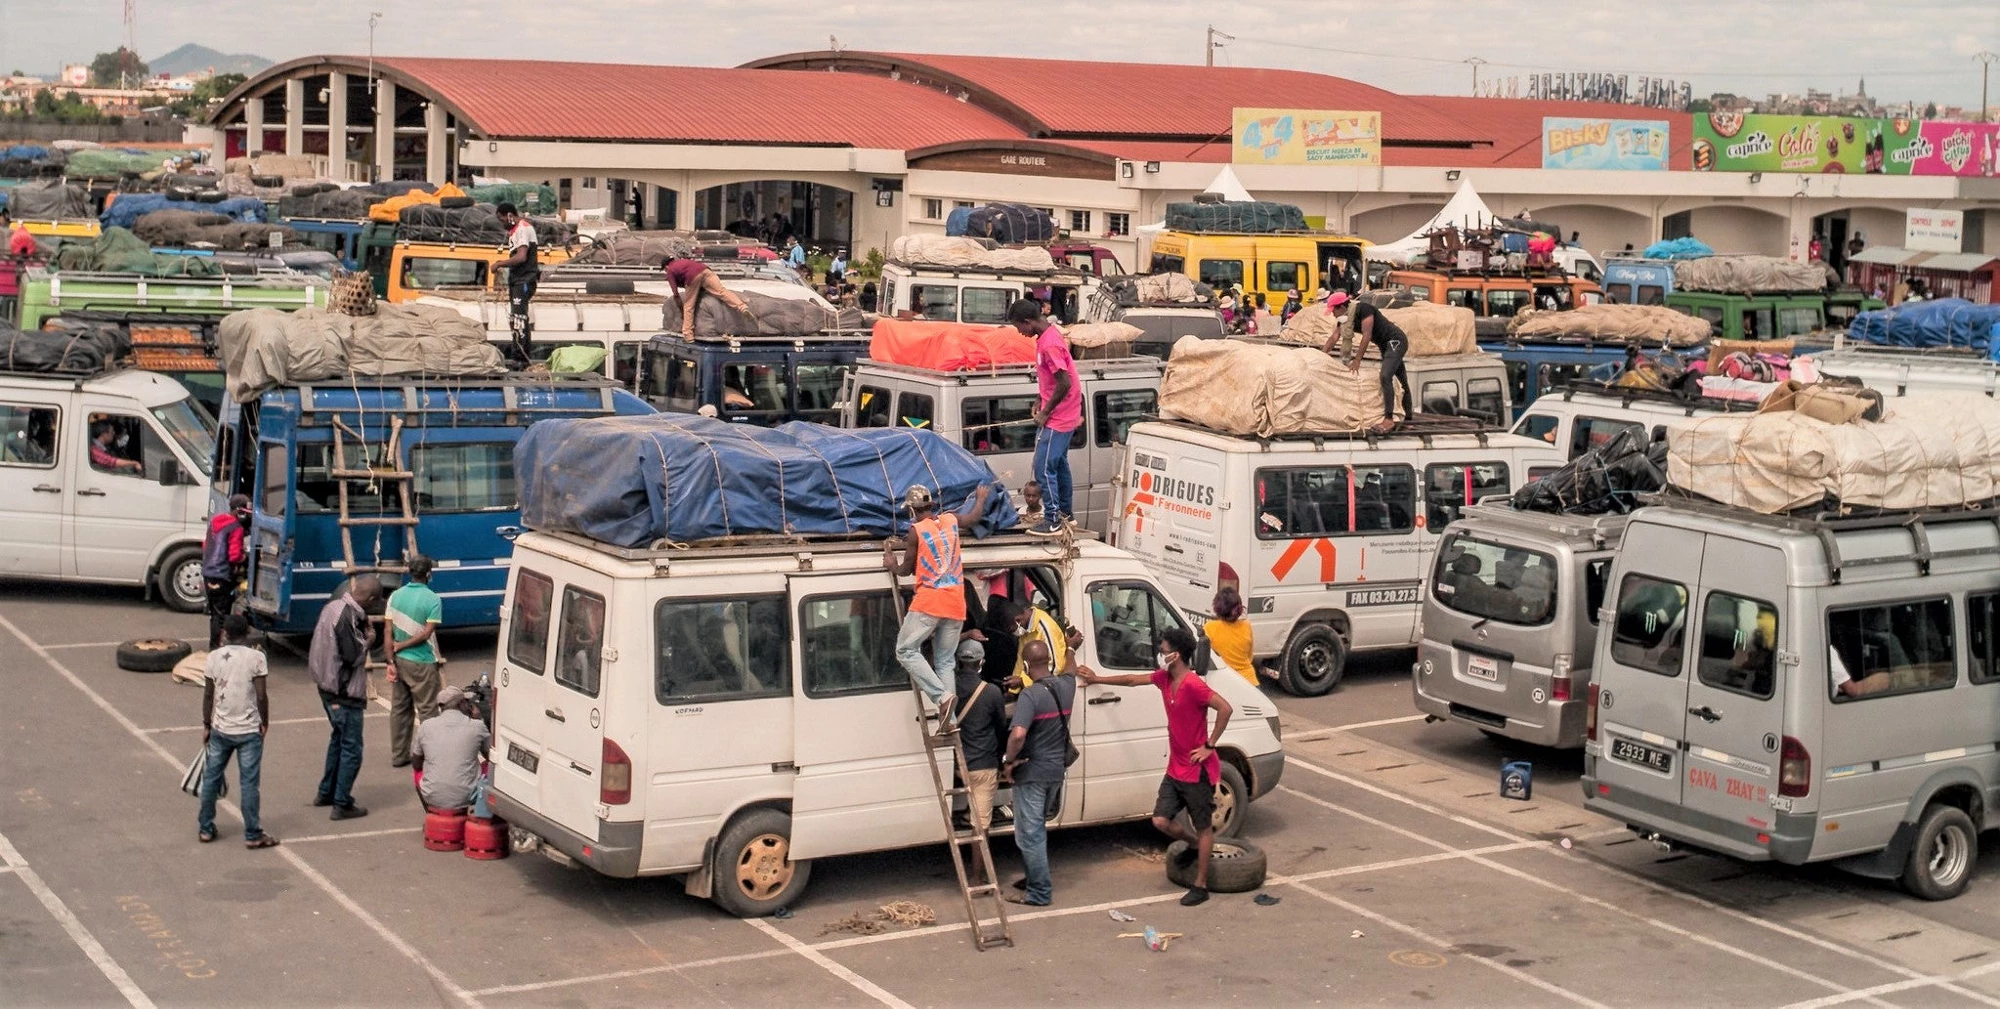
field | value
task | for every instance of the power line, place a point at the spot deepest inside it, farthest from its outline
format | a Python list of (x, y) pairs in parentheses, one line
[(1840, 74)]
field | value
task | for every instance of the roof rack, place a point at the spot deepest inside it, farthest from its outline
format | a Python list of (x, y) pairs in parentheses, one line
[(803, 547), (1424, 427), (958, 272), (416, 408), (669, 341), (1826, 528), (1597, 528), (1628, 396), (1099, 366)]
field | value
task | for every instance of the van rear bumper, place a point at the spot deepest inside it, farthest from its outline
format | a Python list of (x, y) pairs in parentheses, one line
[(616, 854), (1791, 835), (1561, 727)]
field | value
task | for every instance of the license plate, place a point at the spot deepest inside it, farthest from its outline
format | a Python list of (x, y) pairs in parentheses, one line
[(526, 758), (1483, 667), (1645, 756)]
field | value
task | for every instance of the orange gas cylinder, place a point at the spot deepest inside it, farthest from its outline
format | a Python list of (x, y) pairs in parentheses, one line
[(444, 829), (485, 839)]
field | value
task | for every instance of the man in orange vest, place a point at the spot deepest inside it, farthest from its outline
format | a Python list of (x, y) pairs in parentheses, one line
[(937, 609)]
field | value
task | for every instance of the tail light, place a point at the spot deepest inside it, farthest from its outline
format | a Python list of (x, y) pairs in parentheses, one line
[(1559, 681), (1226, 575), (1590, 716), (1794, 768), (614, 776)]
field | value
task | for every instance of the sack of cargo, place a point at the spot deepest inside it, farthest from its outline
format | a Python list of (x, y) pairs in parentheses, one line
[(1313, 325), (1249, 216), (126, 208), (1157, 289), (1434, 330), (264, 347), (797, 313), (1260, 389), (576, 360), (1096, 341), (968, 253), (1946, 322), (637, 481), (528, 198), (948, 346), (78, 347), (117, 250), (1835, 403), (1603, 481), (333, 204), (1933, 451), (49, 201), (638, 248), (956, 221), (1650, 325), (1747, 275), (1010, 224)]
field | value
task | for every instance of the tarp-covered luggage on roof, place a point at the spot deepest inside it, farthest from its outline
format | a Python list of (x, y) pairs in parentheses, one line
[(635, 481), (798, 314), (1747, 275), (1434, 330), (391, 208), (637, 248), (126, 208), (117, 250), (1157, 289), (948, 346), (1254, 216), (49, 201), (76, 348), (1261, 389), (1946, 322), (968, 253), (1010, 223), (264, 347), (1644, 324)]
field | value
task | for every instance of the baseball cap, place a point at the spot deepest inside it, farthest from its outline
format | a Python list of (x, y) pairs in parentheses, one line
[(1335, 300), (918, 496), (450, 696), (970, 649)]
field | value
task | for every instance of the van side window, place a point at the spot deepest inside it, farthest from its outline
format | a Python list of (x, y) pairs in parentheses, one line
[(27, 436), (915, 409), (1652, 294), (580, 647), (1118, 410), (1449, 487), (985, 305), (1495, 581), (1797, 321), (1128, 620), (318, 491), (423, 272), (1463, 297), (1506, 302), (131, 448), (1517, 380), (721, 649), (1651, 625), (1896, 648), (1620, 294), (674, 381), (273, 469), (1739, 645), (1592, 432), (847, 645), (754, 388), (1982, 621), (463, 476), (816, 385), (1539, 425), (1222, 272), (1596, 579), (528, 625), (999, 424), (1335, 501), (936, 302), (1482, 397), (1443, 389), (1284, 276), (871, 406)]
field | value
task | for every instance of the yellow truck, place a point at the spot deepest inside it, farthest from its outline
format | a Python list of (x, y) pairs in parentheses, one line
[(408, 270), (1267, 264)]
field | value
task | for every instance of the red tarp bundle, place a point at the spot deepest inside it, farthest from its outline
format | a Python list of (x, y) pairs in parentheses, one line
[(948, 346)]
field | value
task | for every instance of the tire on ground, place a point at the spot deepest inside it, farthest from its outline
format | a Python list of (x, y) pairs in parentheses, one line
[(1234, 866), (179, 581), (1944, 855), (1315, 658), (152, 655), (752, 875)]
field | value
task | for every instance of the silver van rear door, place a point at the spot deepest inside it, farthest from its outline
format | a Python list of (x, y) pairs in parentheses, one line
[(1642, 661), (1735, 703)]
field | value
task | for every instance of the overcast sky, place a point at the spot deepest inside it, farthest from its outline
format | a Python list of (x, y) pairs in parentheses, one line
[(1908, 49)]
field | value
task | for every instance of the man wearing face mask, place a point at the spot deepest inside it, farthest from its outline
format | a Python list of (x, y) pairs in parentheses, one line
[(1193, 768), (222, 559)]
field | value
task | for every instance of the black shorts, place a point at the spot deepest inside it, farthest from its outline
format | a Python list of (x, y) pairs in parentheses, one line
[(1197, 797)]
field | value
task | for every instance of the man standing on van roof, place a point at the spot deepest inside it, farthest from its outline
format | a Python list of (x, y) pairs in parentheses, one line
[(937, 608), (1038, 758), (693, 280), (338, 661), (1059, 413), (1193, 768), (414, 614), (222, 560), (524, 271), (1371, 326)]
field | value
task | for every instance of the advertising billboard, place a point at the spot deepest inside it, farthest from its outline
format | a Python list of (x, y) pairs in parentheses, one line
[(1306, 137), (1617, 144), (1755, 142)]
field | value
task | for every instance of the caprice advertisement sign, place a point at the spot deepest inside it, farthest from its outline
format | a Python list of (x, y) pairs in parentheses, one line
[(1752, 142)]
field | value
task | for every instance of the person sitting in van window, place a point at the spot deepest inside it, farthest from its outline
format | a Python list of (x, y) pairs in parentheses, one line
[(1229, 634), (104, 459), (1193, 766), (937, 608), (1371, 326), (693, 281)]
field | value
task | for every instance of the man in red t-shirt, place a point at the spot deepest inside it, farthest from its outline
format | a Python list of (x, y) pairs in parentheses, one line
[(1059, 411), (937, 608), (1193, 768)]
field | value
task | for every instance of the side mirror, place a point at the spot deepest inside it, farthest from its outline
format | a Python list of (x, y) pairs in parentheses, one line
[(1202, 661), (170, 473)]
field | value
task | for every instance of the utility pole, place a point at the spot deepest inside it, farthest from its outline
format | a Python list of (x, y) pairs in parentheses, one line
[(1216, 40), (1476, 63), (131, 54), (1985, 58), (373, 16)]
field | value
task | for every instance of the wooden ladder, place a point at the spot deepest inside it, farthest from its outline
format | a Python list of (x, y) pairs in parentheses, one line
[(405, 517), (947, 737)]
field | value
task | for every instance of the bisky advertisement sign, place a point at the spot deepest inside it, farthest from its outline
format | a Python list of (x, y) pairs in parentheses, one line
[(1753, 142), (1306, 137), (1615, 144)]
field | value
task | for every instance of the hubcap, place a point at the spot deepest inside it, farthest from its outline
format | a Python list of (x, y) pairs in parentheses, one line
[(1225, 807), (188, 582), (763, 869), (1316, 661), (1948, 857)]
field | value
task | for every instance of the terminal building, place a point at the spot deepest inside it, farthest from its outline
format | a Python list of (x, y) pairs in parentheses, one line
[(856, 148)]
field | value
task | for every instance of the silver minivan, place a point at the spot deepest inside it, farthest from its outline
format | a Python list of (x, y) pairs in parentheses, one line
[(1799, 690), (1510, 622)]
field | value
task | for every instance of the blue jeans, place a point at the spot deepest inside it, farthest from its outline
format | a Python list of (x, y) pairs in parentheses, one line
[(1052, 468), (1031, 835), (249, 752), (343, 753), (943, 634)]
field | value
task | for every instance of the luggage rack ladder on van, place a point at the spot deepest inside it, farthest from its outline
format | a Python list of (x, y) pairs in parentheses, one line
[(1826, 530), (400, 475)]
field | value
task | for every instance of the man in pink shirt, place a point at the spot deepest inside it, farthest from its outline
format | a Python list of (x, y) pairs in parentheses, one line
[(1059, 413)]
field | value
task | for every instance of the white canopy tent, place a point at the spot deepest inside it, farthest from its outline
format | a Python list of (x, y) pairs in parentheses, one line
[(1464, 209)]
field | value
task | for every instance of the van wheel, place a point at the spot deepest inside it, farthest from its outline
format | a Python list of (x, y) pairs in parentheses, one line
[(1941, 860), (754, 873), (1315, 658), (180, 583)]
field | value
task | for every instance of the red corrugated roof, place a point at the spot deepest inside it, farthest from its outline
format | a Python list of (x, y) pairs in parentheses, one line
[(1515, 126), (1091, 98), (541, 99)]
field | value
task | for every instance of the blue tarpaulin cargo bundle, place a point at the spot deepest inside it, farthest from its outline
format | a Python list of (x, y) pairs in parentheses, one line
[(633, 481), (126, 210), (1678, 248), (1946, 322)]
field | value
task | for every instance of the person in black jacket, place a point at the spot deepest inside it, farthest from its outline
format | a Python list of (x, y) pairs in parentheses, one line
[(1371, 326), (982, 730)]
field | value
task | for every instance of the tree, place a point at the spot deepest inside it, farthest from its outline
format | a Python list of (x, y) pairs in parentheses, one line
[(106, 69), (1701, 105), (1930, 111), (205, 95)]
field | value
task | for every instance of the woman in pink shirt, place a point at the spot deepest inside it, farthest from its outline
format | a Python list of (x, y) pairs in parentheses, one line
[(1059, 412)]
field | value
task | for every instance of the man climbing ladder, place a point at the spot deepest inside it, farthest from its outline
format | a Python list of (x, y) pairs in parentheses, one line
[(937, 609)]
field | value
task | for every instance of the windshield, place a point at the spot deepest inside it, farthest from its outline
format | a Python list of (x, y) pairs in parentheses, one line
[(190, 425), (1496, 582)]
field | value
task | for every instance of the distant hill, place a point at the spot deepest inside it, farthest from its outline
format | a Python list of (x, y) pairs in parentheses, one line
[(193, 57)]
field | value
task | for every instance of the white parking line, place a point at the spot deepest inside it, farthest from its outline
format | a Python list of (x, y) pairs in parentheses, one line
[(86, 644), (620, 975), (340, 896), (356, 834), (1326, 732), (74, 926), (1945, 980), (839, 970)]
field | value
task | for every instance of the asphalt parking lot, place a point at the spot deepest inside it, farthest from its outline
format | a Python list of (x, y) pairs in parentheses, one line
[(1401, 878)]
